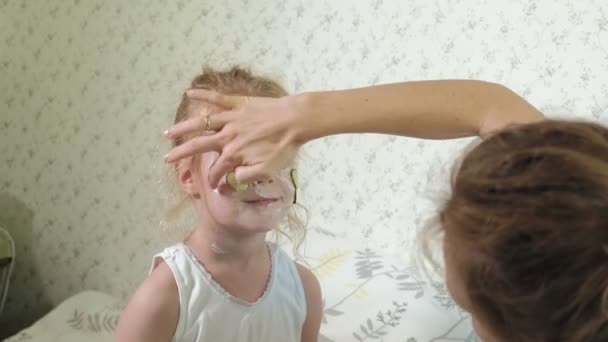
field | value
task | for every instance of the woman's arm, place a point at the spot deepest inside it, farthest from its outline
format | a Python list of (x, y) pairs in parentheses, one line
[(259, 135), (422, 109)]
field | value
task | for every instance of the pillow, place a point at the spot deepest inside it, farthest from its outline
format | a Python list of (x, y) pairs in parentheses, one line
[(368, 295), (88, 316)]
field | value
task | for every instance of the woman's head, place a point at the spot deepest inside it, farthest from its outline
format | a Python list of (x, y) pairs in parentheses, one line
[(526, 233), (261, 207)]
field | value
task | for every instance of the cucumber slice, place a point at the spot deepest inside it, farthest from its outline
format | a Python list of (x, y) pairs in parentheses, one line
[(293, 174), (234, 184)]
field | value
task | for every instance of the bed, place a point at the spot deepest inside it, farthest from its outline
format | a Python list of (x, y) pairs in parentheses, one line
[(368, 296)]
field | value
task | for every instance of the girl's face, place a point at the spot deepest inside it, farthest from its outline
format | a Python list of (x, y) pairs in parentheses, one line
[(260, 208)]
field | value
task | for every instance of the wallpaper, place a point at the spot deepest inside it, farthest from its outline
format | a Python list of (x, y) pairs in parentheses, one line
[(87, 87)]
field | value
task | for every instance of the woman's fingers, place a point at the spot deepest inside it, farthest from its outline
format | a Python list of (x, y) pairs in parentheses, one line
[(185, 127), (210, 122), (225, 101), (224, 164), (248, 174), (196, 145)]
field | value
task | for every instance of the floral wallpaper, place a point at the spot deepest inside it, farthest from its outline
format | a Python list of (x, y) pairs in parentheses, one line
[(87, 87)]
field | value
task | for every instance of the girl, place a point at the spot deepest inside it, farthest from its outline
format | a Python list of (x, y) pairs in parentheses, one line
[(526, 227), (225, 282)]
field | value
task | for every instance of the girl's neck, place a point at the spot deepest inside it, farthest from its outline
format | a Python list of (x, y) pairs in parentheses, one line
[(215, 244)]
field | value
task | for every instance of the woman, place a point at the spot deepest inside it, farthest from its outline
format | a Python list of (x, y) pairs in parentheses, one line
[(526, 226)]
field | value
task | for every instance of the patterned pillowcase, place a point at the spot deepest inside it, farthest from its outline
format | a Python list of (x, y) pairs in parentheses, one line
[(89, 316), (370, 296)]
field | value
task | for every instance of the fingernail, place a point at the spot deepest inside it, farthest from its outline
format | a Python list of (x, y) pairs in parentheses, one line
[(166, 158), (189, 92), (166, 133)]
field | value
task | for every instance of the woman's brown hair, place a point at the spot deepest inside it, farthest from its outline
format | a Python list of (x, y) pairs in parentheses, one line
[(528, 215)]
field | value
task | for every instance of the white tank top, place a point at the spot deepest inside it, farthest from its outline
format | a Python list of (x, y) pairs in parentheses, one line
[(207, 313)]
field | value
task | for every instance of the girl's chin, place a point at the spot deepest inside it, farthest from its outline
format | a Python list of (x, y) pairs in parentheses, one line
[(252, 227)]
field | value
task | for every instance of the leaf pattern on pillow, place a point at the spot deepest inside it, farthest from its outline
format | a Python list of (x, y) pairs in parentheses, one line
[(368, 262), (330, 261), (451, 336), (385, 320), (369, 266), (98, 322), (360, 292)]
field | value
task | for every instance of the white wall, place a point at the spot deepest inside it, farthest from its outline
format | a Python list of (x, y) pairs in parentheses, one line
[(86, 87)]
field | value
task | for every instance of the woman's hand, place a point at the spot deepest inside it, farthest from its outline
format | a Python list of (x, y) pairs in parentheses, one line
[(254, 135)]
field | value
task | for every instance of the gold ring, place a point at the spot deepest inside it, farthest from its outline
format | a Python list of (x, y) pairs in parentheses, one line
[(207, 124)]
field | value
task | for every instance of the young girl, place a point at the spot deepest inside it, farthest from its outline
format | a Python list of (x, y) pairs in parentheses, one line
[(526, 226), (225, 282)]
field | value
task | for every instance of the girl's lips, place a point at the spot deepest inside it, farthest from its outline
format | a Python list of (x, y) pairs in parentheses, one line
[(262, 202)]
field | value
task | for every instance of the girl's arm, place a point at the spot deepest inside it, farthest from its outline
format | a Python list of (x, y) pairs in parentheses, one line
[(152, 312), (314, 305)]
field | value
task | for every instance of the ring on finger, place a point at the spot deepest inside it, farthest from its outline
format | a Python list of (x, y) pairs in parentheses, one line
[(207, 123)]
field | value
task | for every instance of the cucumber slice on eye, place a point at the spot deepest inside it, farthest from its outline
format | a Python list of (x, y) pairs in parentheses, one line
[(293, 174), (234, 184)]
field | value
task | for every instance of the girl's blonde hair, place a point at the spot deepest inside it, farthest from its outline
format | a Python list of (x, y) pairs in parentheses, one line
[(240, 81)]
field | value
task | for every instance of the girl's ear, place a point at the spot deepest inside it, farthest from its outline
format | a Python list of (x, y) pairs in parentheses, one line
[(185, 177)]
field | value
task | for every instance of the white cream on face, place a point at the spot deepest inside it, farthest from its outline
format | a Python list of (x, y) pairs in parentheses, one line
[(270, 198), (259, 209)]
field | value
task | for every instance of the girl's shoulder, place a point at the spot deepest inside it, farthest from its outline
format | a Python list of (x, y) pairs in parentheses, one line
[(153, 310)]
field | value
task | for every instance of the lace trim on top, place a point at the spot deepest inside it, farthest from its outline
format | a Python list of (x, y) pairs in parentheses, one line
[(222, 292)]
